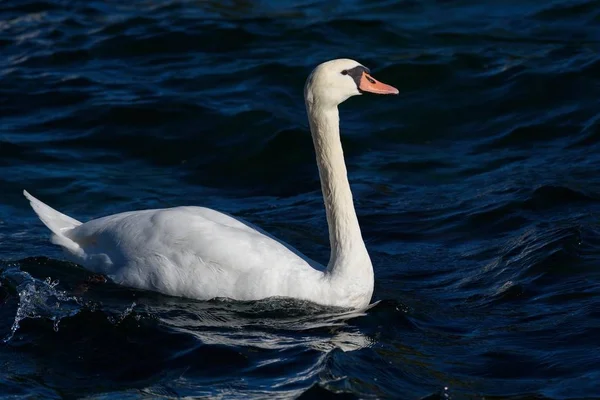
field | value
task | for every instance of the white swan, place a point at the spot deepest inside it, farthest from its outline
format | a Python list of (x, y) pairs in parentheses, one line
[(200, 253)]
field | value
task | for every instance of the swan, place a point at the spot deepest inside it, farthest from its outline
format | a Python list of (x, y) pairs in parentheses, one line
[(200, 253)]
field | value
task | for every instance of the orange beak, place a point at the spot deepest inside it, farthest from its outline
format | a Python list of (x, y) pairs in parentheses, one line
[(369, 84)]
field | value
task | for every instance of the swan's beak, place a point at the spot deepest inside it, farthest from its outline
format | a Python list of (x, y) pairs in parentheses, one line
[(372, 85)]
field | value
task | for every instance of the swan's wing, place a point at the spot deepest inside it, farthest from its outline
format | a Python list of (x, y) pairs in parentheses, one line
[(187, 251)]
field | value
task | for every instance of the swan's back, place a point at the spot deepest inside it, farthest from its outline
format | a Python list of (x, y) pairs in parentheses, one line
[(189, 251)]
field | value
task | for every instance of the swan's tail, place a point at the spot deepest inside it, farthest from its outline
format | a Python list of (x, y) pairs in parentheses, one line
[(57, 222)]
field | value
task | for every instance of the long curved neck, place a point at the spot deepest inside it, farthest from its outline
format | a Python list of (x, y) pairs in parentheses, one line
[(347, 246)]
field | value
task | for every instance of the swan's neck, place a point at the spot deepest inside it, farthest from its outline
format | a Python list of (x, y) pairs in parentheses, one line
[(349, 257)]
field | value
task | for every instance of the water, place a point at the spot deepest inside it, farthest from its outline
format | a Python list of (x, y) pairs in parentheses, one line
[(477, 190)]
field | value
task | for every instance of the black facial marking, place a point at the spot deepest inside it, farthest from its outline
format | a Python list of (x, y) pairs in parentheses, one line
[(356, 74)]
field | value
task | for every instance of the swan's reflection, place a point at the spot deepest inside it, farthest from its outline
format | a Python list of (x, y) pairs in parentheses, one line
[(275, 324)]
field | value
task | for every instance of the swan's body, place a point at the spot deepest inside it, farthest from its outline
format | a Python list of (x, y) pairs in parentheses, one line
[(201, 253)]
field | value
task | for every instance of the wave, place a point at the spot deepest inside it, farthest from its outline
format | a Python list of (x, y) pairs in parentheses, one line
[(475, 188)]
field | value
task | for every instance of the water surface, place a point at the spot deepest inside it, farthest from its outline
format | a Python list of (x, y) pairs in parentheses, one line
[(477, 190)]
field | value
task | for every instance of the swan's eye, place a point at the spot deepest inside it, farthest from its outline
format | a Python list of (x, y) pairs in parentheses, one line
[(345, 72)]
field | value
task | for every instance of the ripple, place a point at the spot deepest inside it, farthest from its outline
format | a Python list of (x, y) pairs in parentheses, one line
[(476, 190), (568, 10)]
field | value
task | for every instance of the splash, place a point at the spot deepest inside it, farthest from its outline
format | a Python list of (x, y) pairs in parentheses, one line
[(42, 299), (120, 317)]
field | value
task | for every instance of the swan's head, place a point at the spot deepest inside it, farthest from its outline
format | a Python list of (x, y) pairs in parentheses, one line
[(333, 82)]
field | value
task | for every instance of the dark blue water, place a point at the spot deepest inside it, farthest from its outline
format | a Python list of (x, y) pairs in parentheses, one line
[(477, 189)]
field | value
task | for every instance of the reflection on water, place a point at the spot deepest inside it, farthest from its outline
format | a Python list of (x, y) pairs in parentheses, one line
[(272, 324)]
